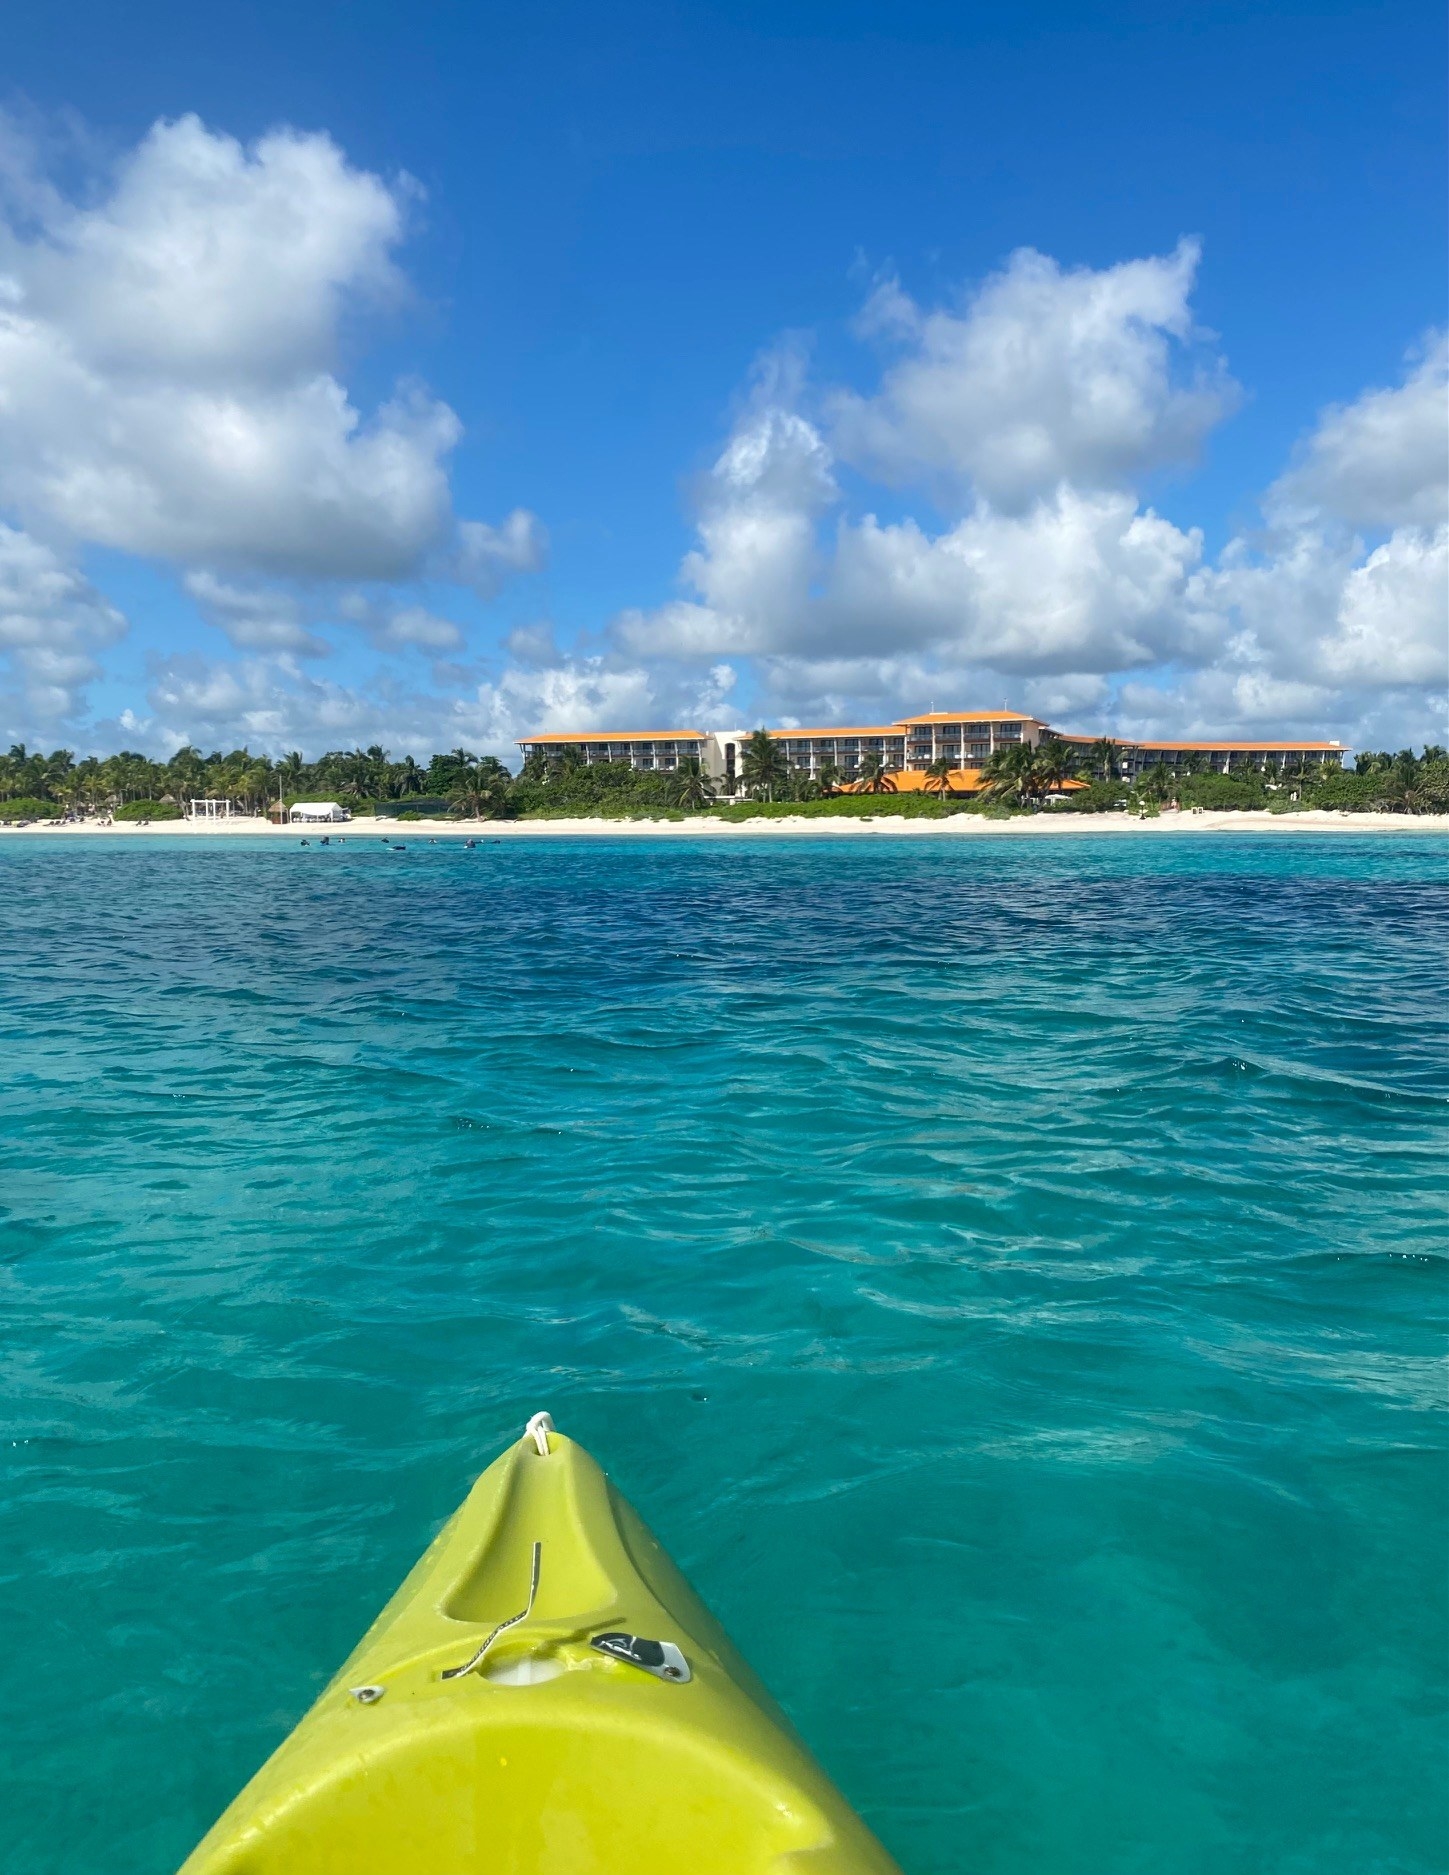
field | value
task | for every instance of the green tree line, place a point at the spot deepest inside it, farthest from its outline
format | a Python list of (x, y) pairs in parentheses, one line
[(1015, 778)]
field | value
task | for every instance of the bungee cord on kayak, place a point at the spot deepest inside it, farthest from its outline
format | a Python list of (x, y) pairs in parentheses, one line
[(469, 1666)]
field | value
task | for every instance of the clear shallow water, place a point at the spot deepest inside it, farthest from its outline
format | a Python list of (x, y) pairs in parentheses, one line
[(1008, 1275)]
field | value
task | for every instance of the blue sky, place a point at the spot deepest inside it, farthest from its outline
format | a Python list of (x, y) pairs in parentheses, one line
[(832, 361)]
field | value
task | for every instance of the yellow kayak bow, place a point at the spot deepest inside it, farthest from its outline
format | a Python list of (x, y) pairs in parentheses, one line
[(544, 1695)]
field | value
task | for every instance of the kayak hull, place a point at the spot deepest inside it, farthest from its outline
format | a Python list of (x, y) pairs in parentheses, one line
[(547, 1755)]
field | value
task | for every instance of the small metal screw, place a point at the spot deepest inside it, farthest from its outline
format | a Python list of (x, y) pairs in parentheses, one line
[(367, 1695)]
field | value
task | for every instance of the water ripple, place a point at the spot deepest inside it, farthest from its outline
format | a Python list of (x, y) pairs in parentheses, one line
[(1010, 1278)]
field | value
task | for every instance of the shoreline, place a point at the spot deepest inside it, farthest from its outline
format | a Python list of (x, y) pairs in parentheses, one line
[(966, 826)]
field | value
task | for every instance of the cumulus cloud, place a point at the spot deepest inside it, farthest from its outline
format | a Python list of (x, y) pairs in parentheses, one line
[(389, 626), (1042, 375), (171, 384), (488, 556), (1057, 584), (1345, 593), (168, 360), (272, 705), (52, 623), (254, 618), (1380, 461), (1079, 579), (414, 625), (757, 552), (590, 692), (276, 704)]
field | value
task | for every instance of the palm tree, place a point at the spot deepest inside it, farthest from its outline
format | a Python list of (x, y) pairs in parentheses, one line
[(482, 791), (88, 787), (407, 777), (256, 784), (471, 799), (763, 765), (874, 776), (938, 776), (1052, 764), (690, 785), (1006, 775), (828, 775), (1102, 758), (186, 775), (59, 765), (1155, 782)]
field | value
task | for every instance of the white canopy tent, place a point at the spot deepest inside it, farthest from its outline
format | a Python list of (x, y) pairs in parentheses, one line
[(319, 810)]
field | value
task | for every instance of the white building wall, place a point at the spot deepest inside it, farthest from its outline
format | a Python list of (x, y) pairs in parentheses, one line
[(721, 753)]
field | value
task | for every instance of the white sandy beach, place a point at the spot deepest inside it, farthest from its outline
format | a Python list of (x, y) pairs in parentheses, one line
[(967, 826)]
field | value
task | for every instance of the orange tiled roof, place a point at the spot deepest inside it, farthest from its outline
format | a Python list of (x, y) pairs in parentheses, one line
[(1281, 742), (875, 729), (1147, 742), (617, 735), (970, 716), (917, 781)]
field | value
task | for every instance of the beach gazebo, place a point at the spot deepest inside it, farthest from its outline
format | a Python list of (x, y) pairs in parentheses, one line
[(208, 807)]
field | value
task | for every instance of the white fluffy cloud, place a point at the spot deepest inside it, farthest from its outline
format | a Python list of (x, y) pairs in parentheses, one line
[(1080, 580), (165, 364), (1380, 461), (52, 623), (1056, 583), (170, 342), (168, 358), (1043, 375), (171, 348), (758, 511), (277, 704), (488, 556), (254, 618), (272, 704), (1346, 593)]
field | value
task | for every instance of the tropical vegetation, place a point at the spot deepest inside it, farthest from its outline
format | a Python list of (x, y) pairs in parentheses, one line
[(1020, 778)]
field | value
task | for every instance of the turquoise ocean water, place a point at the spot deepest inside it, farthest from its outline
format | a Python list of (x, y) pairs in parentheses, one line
[(1008, 1274)]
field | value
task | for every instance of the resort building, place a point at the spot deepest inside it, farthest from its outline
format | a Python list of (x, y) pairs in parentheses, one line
[(906, 749), (641, 748), (909, 745), (1223, 758), (913, 743)]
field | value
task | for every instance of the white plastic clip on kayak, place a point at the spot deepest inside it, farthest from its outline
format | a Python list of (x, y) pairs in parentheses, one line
[(538, 1429)]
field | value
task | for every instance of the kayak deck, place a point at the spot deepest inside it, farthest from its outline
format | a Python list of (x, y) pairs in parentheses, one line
[(499, 1719)]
